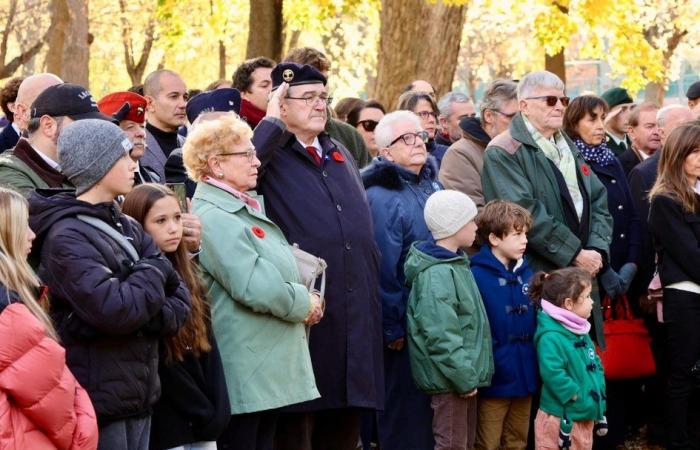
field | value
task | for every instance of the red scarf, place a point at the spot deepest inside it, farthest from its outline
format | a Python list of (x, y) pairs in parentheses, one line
[(251, 113)]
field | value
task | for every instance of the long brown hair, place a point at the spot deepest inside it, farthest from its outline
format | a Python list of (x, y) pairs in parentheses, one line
[(672, 180), (15, 272), (193, 337)]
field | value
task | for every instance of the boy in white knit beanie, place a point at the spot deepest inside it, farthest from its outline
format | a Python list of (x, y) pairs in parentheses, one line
[(449, 339)]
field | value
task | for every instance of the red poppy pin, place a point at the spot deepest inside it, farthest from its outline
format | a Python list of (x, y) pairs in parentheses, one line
[(584, 168), (337, 156), (259, 232)]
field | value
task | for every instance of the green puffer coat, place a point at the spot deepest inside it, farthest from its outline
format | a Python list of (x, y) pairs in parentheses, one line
[(449, 338), (569, 365)]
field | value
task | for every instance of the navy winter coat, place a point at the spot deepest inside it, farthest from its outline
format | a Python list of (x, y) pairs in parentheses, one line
[(437, 151), (626, 237), (109, 312), (512, 318), (324, 210), (397, 197)]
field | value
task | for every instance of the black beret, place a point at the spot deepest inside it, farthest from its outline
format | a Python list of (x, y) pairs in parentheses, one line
[(693, 91), (224, 99), (295, 74), (616, 96)]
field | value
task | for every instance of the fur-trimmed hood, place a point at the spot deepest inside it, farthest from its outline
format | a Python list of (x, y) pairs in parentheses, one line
[(389, 175)]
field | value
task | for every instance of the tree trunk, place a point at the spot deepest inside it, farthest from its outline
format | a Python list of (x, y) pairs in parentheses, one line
[(68, 55), (417, 41), (222, 60), (556, 64), (265, 29), (655, 93)]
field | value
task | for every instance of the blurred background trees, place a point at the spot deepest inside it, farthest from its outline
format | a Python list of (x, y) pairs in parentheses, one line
[(376, 46)]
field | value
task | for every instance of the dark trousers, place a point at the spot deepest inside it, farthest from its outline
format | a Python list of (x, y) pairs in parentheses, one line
[(252, 431), (682, 318), (333, 429)]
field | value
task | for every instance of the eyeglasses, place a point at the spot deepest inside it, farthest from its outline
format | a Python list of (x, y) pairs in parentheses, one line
[(509, 116), (410, 138), (551, 100), (249, 154), (368, 125), (426, 114), (311, 99)]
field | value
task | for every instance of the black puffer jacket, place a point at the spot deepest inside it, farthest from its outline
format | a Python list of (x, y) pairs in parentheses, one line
[(109, 312)]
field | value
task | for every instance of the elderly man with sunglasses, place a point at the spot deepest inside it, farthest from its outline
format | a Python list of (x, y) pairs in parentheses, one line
[(536, 165), (398, 183), (314, 193), (463, 161)]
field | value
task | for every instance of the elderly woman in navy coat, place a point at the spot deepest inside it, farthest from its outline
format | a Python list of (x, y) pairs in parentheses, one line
[(398, 183), (584, 123), (313, 192)]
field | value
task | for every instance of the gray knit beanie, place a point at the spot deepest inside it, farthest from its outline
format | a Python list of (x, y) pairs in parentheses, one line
[(446, 212), (88, 149)]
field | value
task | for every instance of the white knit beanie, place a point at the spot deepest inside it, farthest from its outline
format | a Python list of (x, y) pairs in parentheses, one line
[(446, 212)]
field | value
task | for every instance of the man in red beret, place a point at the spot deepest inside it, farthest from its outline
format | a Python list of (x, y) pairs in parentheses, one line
[(129, 108)]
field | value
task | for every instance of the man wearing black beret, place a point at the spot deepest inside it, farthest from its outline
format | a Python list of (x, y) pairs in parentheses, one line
[(313, 191), (693, 95)]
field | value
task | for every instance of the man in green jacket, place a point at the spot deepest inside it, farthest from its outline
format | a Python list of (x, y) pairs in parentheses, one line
[(537, 166), (33, 162)]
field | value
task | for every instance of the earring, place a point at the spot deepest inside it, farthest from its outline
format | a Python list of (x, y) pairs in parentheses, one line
[(220, 175)]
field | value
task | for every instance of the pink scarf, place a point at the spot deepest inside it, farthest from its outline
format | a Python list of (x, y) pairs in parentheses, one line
[(247, 199), (567, 319)]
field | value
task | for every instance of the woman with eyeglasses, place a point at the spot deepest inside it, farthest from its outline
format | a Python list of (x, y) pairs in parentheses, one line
[(365, 118), (398, 183), (424, 106), (259, 308)]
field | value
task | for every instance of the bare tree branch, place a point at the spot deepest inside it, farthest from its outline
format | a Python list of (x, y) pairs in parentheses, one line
[(7, 30)]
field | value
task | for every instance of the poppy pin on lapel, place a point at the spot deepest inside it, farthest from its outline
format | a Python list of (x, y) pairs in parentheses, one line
[(259, 232), (337, 156), (584, 168)]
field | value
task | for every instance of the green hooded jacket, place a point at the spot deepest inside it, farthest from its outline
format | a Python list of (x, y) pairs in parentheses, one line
[(449, 338), (569, 365)]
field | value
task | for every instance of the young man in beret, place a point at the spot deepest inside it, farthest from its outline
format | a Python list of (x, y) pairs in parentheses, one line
[(32, 164), (129, 110), (620, 104), (313, 191)]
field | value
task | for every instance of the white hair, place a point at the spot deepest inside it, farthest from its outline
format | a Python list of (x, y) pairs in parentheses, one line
[(535, 80), (446, 101), (661, 114), (384, 133)]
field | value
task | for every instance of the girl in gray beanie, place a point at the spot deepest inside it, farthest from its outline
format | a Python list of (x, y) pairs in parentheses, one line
[(113, 295)]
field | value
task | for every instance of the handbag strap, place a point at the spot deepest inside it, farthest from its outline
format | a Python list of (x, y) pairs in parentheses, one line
[(111, 232), (618, 310)]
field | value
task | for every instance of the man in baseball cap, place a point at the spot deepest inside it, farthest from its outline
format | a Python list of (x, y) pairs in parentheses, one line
[(33, 162), (129, 110)]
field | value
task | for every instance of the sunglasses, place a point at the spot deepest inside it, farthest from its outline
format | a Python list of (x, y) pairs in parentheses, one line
[(368, 125), (551, 100)]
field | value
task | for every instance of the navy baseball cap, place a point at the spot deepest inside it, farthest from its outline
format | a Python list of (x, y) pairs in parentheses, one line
[(225, 99), (67, 99)]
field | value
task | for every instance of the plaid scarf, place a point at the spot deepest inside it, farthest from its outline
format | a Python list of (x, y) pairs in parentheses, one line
[(562, 157)]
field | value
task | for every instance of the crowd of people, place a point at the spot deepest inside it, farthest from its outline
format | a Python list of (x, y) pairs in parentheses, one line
[(153, 293)]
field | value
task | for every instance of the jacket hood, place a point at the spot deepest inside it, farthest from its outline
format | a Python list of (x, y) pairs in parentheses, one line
[(423, 255), (472, 127), (546, 324), (48, 206), (486, 260), (389, 175)]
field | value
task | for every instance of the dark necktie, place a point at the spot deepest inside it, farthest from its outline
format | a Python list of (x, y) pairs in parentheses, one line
[(314, 154)]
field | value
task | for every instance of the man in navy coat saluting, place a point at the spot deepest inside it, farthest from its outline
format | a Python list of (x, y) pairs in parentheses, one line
[(313, 192)]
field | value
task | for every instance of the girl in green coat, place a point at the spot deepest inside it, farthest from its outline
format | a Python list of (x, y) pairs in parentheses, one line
[(573, 386)]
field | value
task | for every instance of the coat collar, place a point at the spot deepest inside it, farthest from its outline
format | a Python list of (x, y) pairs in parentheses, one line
[(389, 175), (227, 202)]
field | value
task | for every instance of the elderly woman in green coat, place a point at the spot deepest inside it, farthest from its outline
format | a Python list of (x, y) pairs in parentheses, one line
[(259, 308)]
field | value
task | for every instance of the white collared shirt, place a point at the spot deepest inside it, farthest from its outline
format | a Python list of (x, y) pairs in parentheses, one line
[(315, 144), (16, 128), (54, 165)]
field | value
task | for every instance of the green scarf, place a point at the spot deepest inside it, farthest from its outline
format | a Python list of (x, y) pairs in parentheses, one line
[(562, 157)]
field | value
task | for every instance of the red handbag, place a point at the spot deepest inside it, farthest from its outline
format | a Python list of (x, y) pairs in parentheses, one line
[(627, 352)]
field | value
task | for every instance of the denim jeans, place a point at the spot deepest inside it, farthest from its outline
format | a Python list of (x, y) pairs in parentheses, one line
[(128, 434)]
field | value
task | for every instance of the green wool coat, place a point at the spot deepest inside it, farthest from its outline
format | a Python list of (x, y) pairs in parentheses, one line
[(569, 365), (15, 174), (258, 306), (449, 338), (516, 169)]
